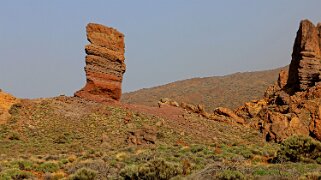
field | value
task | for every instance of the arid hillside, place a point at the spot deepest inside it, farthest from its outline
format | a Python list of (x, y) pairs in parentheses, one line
[(73, 138), (94, 136), (70, 138), (226, 91)]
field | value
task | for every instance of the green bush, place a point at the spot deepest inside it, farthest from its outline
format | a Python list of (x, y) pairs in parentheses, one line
[(22, 164), (48, 167), (9, 174), (299, 148), (230, 175), (84, 174), (156, 169)]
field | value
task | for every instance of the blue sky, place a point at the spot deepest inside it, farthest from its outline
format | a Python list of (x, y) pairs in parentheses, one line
[(42, 42)]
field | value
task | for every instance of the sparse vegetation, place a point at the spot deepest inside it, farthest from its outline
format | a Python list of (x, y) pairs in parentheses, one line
[(299, 149), (84, 174), (229, 91), (230, 175), (15, 173), (69, 138), (155, 169), (48, 167)]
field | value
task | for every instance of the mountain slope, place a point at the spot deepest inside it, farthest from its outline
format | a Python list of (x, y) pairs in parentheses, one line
[(57, 137), (227, 91), (71, 138)]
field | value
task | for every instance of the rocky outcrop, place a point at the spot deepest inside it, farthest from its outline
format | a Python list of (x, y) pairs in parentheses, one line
[(104, 64), (6, 102), (167, 101), (219, 114), (228, 113), (293, 104), (305, 66), (145, 135)]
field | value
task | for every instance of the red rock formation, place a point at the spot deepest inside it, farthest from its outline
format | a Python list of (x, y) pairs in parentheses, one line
[(104, 64), (293, 104), (305, 66)]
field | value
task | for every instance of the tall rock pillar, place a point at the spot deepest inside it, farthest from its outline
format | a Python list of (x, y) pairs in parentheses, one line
[(104, 64), (305, 66)]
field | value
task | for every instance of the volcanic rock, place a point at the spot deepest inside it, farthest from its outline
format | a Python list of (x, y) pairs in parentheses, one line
[(145, 135), (228, 113), (305, 66), (292, 106), (104, 64), (167, 101)]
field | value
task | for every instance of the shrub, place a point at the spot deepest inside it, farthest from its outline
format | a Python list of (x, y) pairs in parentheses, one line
[(15, 109), (311, 175), (48, 167), (63, 139), (54, 176), (197, 148), (156, 169), (246, 153), (64, 161), (84, 174), (14, 136), (264, 172), (22, 164), (15, 174), (299, 148), (99, 166), (230, 175)]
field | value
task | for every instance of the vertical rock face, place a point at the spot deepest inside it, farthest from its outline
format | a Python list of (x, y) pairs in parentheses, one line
[(305, 66), (104, 64)]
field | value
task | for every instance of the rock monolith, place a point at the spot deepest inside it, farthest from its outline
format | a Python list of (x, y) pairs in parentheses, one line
[(104, 64)]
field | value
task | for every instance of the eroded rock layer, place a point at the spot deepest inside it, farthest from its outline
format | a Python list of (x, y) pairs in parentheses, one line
[(104, 64)]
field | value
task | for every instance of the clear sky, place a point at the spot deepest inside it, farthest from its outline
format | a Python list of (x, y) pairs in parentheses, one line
[(42, 41)]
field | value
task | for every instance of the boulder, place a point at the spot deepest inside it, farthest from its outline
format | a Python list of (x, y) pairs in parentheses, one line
[(167, 101), (229, 114), (145, 135)]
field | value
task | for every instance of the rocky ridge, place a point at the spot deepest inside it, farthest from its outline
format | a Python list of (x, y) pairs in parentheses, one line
[(104, 64), (220, 114)]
